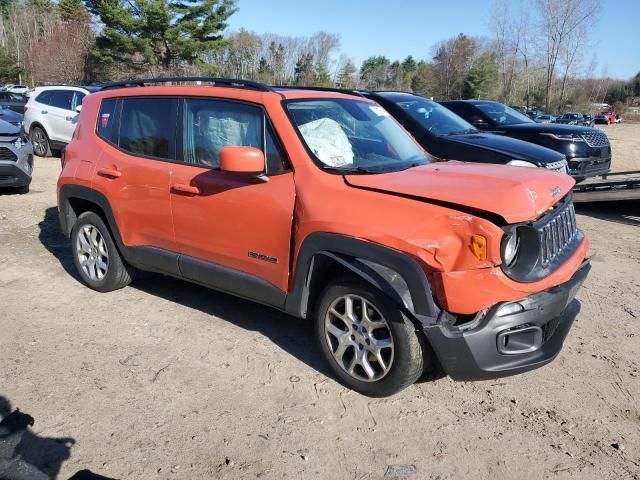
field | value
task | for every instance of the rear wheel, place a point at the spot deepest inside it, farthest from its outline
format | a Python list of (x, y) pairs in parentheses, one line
[(370, 345), (40, 142), (95, 255)]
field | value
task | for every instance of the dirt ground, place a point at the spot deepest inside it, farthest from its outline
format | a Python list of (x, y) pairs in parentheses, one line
[(165, 379)]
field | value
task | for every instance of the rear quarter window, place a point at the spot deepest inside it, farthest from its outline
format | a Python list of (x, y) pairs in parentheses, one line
[(106, 119)]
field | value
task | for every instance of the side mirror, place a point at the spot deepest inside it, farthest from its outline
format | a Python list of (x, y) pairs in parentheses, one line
[(78, 108), (248, 161)]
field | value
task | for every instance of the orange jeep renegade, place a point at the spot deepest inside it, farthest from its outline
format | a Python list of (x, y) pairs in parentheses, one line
[(320, 205)]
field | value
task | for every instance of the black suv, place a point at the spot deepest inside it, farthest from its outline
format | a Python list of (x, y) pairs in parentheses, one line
[(447, 136), (587, 149)]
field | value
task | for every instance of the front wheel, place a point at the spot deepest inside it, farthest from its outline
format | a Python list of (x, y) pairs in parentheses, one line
[(368, 342)]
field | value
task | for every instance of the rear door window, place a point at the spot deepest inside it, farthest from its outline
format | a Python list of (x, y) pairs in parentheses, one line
[(148, 127)]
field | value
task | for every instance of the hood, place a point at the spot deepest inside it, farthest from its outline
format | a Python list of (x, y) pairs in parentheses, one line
[(10, 116), (517, 194), (547, 128), (511, 147), (8, 131)]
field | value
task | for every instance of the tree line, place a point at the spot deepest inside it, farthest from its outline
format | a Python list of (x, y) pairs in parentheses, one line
[(537, 53)]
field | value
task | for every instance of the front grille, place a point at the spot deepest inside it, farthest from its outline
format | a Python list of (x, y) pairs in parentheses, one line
[(7, 154), (5, 178), (558, 233), (598, 139), (560, 166)]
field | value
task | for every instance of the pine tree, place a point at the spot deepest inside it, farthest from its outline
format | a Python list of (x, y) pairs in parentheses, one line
[(69, 9), (138, 33), (304, 71)]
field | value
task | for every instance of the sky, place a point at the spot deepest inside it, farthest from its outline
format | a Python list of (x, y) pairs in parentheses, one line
[(411, 27)]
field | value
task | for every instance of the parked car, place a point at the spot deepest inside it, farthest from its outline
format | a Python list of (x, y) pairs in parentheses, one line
[(51, 115), (588, 120), (571, 118), (601, 118), (447, 136), (15, 101), (321, 205), (587, 149), (11, 117), (533, 113), (22, 89), (16, 158), (545, 118)]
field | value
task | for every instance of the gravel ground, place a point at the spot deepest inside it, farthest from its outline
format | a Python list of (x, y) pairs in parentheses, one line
[(165, 379)]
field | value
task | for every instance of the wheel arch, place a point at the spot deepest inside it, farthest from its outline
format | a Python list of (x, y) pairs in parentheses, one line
[(74, 200), (325, 256)]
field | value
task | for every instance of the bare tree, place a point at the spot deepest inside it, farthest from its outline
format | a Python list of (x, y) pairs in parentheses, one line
[(559, 20)]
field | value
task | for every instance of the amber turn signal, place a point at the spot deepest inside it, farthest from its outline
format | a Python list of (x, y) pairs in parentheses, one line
[(479, 246)]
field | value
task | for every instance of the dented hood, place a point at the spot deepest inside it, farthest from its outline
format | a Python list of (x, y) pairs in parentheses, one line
[(517, 194)]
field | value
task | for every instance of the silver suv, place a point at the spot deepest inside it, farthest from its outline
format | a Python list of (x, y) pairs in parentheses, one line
[(16, 157)]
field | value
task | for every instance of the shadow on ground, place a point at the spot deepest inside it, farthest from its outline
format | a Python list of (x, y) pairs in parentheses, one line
[(626, 212), (30, 451), (293, 335)]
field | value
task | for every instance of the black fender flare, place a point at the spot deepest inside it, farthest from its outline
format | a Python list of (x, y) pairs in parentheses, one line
[(390, 271), (67, 216)]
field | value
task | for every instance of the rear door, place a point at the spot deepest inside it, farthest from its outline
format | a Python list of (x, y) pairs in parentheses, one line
[(226, 220), (134, 168), (60, 115)]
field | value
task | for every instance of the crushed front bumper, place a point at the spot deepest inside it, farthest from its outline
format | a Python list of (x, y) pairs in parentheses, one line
[(16, 165), (512, 337)]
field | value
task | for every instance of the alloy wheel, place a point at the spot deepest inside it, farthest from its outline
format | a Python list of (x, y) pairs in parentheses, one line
[(39, 141), (359, 338), (92, 252)]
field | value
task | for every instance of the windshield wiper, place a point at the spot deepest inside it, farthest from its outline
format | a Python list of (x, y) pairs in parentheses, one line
[(349, 170)]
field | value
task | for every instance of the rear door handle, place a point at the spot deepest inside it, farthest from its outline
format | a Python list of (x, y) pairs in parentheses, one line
[(68, 119), (182, 188), (44, 112), (109, 172)]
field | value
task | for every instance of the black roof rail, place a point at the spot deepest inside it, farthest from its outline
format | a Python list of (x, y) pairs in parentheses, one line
[(218, 82), (348, 91)]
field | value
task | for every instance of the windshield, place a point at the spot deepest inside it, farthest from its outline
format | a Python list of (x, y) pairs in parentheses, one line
[(433, 116), (354, 136), (501, 114)]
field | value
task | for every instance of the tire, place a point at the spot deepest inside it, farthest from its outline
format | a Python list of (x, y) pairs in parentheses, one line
[(96, 257), (399, 345), (40, 142)]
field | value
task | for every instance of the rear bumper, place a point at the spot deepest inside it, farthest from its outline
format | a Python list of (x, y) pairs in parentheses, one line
[(502, 344)]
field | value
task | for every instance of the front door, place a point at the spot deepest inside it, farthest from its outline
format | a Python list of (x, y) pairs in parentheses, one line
[(239, 223)]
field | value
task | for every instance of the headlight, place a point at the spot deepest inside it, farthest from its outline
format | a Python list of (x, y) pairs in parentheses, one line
[(510, 247), (522, 163), (570, 137)]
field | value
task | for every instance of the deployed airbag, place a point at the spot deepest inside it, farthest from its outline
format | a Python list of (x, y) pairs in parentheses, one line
[(328, 142)]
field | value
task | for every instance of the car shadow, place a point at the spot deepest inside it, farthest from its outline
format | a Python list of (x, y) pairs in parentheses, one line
[(293, 335), (626, 212), (46, 454)]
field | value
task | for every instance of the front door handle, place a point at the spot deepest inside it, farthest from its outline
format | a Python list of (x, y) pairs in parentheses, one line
[(182, 188), (109, 172), (44, 112), (68, 119)]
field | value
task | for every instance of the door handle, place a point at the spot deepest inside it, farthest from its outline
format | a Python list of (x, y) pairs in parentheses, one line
[(181, 188), (44, 112), (109, 172), (68, 119)]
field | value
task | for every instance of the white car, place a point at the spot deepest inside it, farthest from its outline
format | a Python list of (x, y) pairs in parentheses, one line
[(16, 88), (51, 115)]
